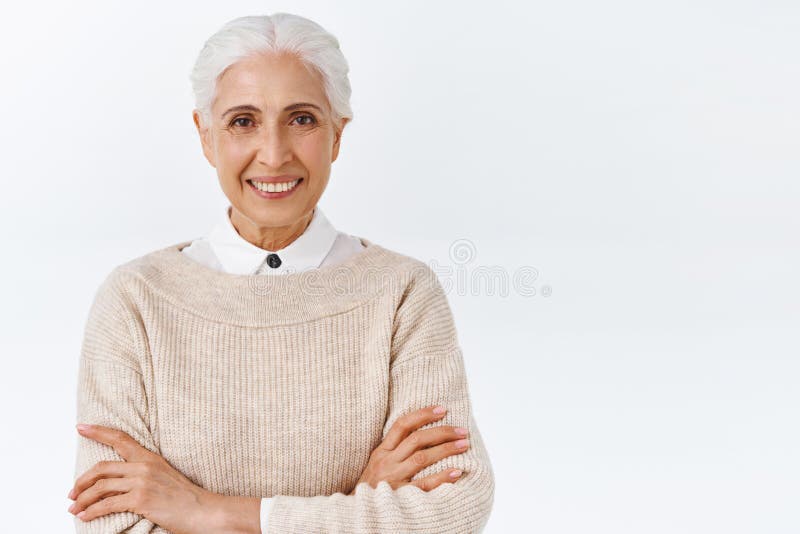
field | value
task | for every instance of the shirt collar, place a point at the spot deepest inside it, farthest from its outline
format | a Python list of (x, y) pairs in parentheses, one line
[(239, 256)]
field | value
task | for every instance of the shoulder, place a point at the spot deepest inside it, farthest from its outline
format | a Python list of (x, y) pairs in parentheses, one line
[(412, 274), (389, 257), (157, 260), (123, 278)]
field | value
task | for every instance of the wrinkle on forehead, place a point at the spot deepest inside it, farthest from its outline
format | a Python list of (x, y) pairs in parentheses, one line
[(248, 82)]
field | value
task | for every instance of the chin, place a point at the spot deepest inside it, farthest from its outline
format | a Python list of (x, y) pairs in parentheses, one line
[(275, 215)]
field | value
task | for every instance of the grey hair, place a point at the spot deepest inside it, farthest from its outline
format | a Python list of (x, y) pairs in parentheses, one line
[(277, 33)]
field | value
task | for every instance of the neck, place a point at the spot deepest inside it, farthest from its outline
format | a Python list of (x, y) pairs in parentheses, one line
[(272, 238)]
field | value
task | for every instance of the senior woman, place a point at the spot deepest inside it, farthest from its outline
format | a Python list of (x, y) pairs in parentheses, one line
[(275, 375)]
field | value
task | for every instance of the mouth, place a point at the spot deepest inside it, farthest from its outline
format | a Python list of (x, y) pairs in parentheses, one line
[(274, 190), (277, 187)]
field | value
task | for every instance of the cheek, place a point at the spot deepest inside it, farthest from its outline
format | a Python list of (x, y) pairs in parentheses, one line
[(315, 151), (234, 155)]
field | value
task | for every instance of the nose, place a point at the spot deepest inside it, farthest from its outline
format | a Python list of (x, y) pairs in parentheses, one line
[(274, 147)]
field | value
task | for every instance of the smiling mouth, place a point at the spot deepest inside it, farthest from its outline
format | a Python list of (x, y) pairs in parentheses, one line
[(275, 187)]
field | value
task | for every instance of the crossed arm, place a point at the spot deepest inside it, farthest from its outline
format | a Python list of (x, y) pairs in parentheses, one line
[(146, 484)]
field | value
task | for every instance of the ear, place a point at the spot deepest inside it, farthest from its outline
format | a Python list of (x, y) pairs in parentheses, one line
[(205, 137), (337, 138)]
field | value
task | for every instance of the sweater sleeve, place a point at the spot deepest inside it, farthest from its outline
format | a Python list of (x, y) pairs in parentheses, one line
[(426, 369), (111, 393), (263, 514)]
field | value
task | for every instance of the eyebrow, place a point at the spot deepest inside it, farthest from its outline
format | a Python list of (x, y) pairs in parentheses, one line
[(250, 107)]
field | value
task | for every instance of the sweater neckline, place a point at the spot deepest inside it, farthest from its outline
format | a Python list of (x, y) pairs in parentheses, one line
[(264, 300)]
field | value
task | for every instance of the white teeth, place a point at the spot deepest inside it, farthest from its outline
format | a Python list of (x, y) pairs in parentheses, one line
[(275, 188)]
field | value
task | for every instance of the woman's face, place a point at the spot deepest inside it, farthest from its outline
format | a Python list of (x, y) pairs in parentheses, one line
[(270, 118)]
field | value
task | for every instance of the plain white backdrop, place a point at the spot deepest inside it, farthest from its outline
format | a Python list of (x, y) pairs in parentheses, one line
[(642, 157)]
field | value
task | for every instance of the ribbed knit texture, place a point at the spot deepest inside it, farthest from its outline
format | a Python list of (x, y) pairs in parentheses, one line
[(282, 387)]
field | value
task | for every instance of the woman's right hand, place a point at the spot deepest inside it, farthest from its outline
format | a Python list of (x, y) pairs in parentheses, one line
[(406, 451)]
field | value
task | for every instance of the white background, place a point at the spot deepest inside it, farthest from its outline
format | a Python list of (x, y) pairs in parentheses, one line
[(642, 156)]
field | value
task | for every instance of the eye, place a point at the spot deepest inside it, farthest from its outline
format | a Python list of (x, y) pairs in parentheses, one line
[(236, 122), (311, 120)]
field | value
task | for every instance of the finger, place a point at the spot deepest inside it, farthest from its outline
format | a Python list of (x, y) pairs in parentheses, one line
[(421, 439), (102, 489), (127, 447), (104, 469), (110, 505), (437, 479), (406, 424), (425, 457)]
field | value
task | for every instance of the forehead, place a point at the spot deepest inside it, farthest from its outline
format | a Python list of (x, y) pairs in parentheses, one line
[(269, 82)]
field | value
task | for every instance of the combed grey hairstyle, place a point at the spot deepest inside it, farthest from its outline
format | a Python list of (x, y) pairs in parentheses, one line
[(276, 33)]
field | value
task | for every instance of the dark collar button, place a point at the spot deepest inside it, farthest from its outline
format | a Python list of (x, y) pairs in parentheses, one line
[(273, 261)]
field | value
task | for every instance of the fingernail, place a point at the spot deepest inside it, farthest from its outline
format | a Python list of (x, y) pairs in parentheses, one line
[(461, 443), (455, 474), (439, 410), (82, 426), (71, 494), (71, 508), (82, 514), (461, 431)]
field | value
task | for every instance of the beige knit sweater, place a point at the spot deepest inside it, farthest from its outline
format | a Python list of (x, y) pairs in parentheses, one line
[(281, 387)]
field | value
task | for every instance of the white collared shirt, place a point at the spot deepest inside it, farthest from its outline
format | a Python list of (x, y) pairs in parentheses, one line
[(225, 250)]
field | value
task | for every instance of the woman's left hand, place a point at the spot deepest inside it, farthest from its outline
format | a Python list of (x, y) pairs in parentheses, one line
[(145, 484)]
